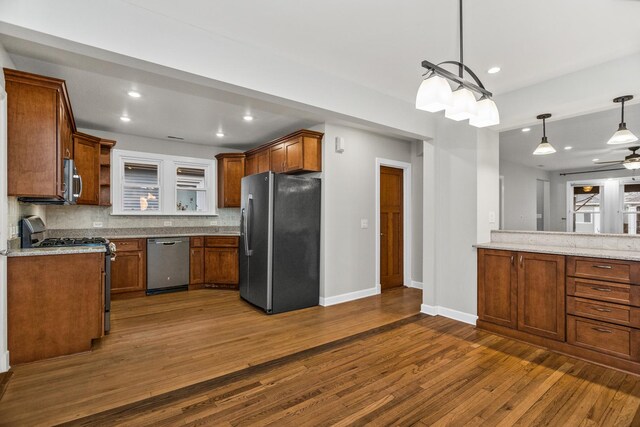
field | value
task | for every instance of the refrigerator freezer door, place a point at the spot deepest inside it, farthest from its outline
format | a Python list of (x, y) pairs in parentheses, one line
[(296, 243), (255, 240)]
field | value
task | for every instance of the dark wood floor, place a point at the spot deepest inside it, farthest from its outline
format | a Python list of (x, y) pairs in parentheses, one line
[(404, 368)]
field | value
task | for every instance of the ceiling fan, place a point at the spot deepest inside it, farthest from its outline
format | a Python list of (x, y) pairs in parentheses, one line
[(632, 161)]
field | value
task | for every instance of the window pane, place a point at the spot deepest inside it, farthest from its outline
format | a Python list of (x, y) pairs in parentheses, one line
[(140, 174), (140, 191), (586, 209), (631, 209), (191, 195)]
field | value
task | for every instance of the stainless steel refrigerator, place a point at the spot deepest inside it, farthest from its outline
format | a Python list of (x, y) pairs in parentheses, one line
[(280, 242)]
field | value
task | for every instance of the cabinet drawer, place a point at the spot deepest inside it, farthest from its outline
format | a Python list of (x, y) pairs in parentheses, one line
[(607, 312), (604, 291), (600, 269), (125, 245), (606, 338), (197, 242), (221, 241)]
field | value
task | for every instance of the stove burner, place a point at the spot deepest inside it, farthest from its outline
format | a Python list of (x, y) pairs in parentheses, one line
[(70, 241)]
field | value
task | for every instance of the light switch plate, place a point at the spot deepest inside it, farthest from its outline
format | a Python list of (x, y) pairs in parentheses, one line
[(97, 224), (492, 217), (364, 223), (168, 223)]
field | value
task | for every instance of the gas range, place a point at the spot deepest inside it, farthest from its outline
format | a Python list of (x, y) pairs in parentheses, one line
[(73, 241)]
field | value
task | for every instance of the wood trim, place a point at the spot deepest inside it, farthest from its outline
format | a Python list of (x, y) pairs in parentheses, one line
[(563, 347), (302, 133)]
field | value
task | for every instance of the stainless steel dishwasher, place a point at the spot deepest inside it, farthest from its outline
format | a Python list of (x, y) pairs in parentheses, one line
[(167, 264)]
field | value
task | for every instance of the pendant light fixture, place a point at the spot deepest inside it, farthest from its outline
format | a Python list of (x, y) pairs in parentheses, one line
[(544, 147), (632, 161), (434, 93), (622, 135)]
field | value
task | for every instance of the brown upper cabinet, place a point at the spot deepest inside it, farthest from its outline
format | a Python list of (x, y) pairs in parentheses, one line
[(40, 129), (298, 152), (105, 171), (230, 173), (86, 150)]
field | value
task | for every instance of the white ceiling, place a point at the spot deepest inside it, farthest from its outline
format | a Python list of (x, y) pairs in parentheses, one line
[(380, 44), (99, 97), (587, 134)]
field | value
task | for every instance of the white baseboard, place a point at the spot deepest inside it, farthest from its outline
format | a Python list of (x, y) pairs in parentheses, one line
[(417, 285), (4, 362), (435, 310), (350, 296)]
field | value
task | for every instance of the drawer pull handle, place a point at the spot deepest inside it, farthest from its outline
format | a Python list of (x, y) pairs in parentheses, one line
[(602, 310), (601, 289), (603, 330), (608, 267)]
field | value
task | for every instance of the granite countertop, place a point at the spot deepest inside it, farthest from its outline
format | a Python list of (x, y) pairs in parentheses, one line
[(55, 251), (627, 255)]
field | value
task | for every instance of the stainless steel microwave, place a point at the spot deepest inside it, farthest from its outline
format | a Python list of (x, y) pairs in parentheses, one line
[(71, 185)]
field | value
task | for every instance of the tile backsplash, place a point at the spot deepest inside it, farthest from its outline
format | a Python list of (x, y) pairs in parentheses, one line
[(18, 210), (84, 217)]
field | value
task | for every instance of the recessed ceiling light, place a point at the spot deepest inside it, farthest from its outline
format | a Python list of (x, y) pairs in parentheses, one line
[(493, 70), (595, 160), (219, 134), (248, 117), (125, 119), (134, 94), (526, 129), (568, 147)]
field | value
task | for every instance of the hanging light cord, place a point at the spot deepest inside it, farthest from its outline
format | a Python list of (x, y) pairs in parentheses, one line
[(461, 67), (544, 128), (622, 120)]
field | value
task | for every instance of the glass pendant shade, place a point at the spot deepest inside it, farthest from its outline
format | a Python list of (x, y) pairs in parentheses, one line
[(622, 136), (486, 114), (434, 94), (464, 105), (632, 163), (544, 148)]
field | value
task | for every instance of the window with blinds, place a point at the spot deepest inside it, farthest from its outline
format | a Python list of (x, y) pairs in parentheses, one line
[(141, 187)]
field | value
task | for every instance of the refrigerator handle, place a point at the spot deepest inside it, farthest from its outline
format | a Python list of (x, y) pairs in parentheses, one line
[(246, 215)]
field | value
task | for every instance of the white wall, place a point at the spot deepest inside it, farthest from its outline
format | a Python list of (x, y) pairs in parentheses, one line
[(349, 195), (520, 184), (5, 61), (417, 220), (460, 189)]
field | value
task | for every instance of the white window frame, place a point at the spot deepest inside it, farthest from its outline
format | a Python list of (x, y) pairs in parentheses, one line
[(167, 179)]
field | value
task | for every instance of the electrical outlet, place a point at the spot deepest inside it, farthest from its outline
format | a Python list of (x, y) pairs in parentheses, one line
[(97, 224), (364, 223), (168, 223), (214, 222)]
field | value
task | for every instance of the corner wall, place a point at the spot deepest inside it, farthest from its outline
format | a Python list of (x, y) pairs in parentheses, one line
[(460, 191)]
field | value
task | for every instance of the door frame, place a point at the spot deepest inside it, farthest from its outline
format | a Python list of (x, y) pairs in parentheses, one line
[(406, 218), (4, 233)]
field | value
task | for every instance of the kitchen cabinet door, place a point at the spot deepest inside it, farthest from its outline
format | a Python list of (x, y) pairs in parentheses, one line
[(221, 266), (251, 165), (293, 155), (263, 160), (541, 295), (128, 272), (86, 149), (498, 287), (276, 160), (230, 173), (196, 266)]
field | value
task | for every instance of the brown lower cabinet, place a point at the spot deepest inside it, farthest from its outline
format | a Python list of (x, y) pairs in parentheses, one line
[(55, 305), (129, 269), (585, 307), (214, 262)]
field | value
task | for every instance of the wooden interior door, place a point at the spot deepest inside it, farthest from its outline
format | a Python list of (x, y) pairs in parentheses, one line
[(541, 295), (391, 227)]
